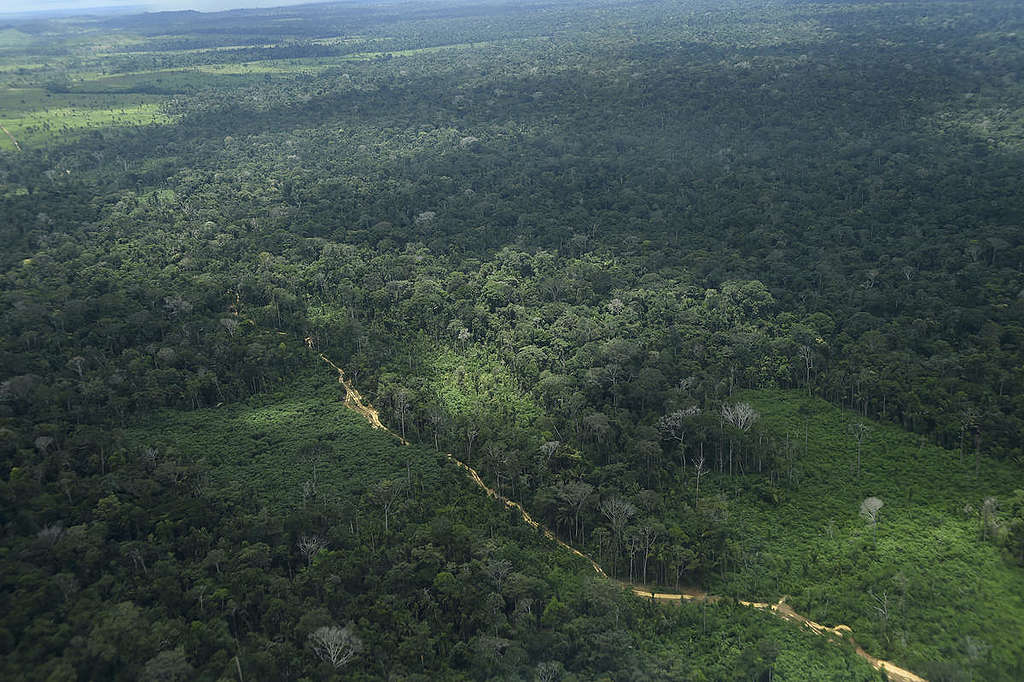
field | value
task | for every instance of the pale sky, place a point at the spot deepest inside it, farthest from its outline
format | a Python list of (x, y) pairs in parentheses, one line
[(10, 6)]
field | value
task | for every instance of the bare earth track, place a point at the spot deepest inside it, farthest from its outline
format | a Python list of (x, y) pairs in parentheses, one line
[(354, 401), (16, 145)]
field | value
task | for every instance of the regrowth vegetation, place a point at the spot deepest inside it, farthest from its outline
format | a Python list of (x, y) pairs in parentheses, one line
[(727, 295)]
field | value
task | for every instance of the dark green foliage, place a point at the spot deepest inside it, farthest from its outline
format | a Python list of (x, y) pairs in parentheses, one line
[(570, 244), (159, 551), (928, 562)]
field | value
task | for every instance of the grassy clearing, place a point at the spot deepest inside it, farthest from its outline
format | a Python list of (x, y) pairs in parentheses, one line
[(13, 39), (18, 66), (419, 50), (162, 82), (190, 80), (111, 49), (257, 449), (928, 587), (36, 117), (38, 128), (274, 66)]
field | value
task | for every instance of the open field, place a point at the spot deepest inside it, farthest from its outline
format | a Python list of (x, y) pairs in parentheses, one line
[(35, 117)]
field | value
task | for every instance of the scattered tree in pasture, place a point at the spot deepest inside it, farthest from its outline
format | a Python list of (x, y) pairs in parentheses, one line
[(869, 509), (741, 416)]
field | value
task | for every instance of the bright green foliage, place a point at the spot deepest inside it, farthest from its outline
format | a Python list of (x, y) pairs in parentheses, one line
[(35, 117), (569, 243), (943, 583), (755, 646), (285, 448), (468, 382), (209, 557)]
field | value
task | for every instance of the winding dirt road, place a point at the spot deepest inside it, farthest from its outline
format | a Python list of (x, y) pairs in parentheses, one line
[(16, 145), (355, 402)]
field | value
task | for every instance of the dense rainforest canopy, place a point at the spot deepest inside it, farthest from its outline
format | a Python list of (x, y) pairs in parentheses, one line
[(729, 295)]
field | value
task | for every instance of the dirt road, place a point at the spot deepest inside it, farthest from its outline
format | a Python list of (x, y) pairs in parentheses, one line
[(839, 633)]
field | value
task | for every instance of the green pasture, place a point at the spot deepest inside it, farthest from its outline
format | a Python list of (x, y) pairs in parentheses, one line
[(161, 82), (924, 585), (311, 65), (13, 39), (35, 117), (419, 50)]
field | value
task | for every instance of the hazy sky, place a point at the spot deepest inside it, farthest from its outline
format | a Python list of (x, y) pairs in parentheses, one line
[(152, 5)]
